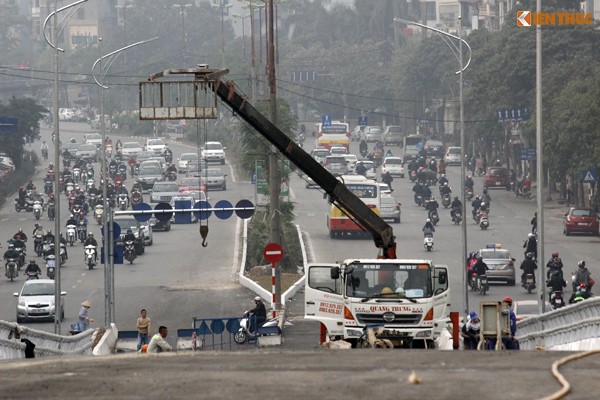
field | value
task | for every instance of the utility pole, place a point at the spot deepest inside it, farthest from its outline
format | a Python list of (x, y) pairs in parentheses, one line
[(274, 176), (253, 77)]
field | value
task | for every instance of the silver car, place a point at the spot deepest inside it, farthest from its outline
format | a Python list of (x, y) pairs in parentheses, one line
[(182, 162), (336, 165), (215, 178), (372, 133), (452, 156), (390, 208), (162, 192), (36, 301), (500, 263)]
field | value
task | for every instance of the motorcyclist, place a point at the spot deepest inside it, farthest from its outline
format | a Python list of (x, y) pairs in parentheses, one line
[(90, 241), (476, 205), (38, 230), (441, 167), (168, 155), (129, 236), (30, 185), (426, 192), (171, 168), (22, 196), (442, 180), (528, 266), (428, 228), (387, 179), (389, 153), (20, 235), (556, 283), (49, 237), (81, 218), (555, 264), (413, 165), (583, 276), (432, 207), (445, 189), (530, 245), (259, 314), (33, 268), (10, 253), (455, 206), (483, 208), (469, 184), (361, 169), (534, 223), (480, 268), (418, 190), (71, 221), (433, 165), (486, 198), (44, 146), (363, 147)]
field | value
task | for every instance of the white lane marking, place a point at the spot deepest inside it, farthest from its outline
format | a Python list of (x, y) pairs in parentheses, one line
[(236, 248), (22, 219), (78, 281), (83, 274), (292, 194), (4, 219), (232, 174), (73, 287)]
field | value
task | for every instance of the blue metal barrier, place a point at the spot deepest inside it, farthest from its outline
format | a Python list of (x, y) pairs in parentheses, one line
[(217, 333)]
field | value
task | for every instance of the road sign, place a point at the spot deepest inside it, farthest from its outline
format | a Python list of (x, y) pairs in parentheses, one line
[(163, 217), (8, 124), (244, 214), (363, 120), (528, 153), (116, 230), (589, 175), (142, 207), (325, 120), (508, 114), (273, 253), (223, 214)]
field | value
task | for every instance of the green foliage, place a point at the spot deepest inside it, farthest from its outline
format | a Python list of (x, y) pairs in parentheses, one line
[(28, 114)]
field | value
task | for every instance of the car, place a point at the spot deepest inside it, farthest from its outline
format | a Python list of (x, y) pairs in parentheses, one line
[(357, 132), (215, 178), (72, 149), (66, 114), (452, 156), (336, 165), (496, 177), (392, 134), (156, 146), (93, 138), (163, 191), (338, 149), (500, 263), (87, 152), (185, 217), (351, 160), (371, 169), (143, 156), (390, 209), (385, 189), (158, 225), (393, 165), (139, 230), (149, 172), (36, 301), (191, 183), (319, 154), (131, 149), (7, 163), (434, 148), (195, 168), (213, 152), (184, 159), (372, 134), (96, 123), (580, 220)]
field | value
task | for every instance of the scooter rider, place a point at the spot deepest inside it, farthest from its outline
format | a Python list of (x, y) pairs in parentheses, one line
[(49, 237), (486, 198), (556, 282), (90, 241), (38, 230), (20, 235), (528, 266), (455, 206), (30, 185), (432, 206), (555, 264), (33, 268), (71, 221), (361, 169), (171, 168), (469, 184), (445, 189), (428, 228), (363, 147), (10, 253), (129, 236), (442, 180), (583, 276), (475, 204), (480, 268), (530, 245), (259, 314)]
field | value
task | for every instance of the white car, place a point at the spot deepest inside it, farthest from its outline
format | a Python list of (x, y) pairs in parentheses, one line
[(131, 149), (93, 138), (156, 146), (371, 169), (163, 192), (87, 152), (319, 154), (452, 156), (385, 189), (372, 133), (36, 301), (351, 160), (393, 165), (182, 162), (338, 150), (213, 152), (66, 114)]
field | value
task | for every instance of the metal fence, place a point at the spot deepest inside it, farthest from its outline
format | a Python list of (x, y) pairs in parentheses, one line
[(215, 334), (577, 323)]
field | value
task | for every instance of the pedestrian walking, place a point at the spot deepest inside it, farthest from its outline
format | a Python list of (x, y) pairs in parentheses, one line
[(143, 327)]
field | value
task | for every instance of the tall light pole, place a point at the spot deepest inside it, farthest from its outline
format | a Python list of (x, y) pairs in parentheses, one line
[(243, 18), (251, 7), (182, 8), (109, 277), (124, 7), (223, 7), (462, 136), (54, 45), (539, 162)]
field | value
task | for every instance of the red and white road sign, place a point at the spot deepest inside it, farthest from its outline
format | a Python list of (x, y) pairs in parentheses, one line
[(273, 253)]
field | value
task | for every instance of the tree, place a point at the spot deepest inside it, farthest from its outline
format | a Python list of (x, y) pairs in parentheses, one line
[(28, 115)]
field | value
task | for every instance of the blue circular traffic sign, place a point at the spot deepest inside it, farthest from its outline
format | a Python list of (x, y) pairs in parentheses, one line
[(116, 230), (202, 205), (142, 207), (223, 214), (163, 217), (244, 214)]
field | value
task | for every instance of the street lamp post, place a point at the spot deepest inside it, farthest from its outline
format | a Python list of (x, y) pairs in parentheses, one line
[(109, 277), (462, 136), (54, 45), (243, 18), (182, 8), (223, 7), (124, 7)]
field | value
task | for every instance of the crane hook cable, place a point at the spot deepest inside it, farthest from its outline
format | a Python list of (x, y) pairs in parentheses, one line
[(566, 386)]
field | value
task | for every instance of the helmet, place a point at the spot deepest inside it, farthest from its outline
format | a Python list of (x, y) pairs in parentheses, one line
[(443, 175), (11, 246), (428, 220), (477, 197), (90, 234), (37, 225), (581, 264), (507, 300), (468, 176), (455, 197), (31, 261), (482, 204), (49, 232), (530, 235), (445, 183), (129, 231), (555, 254), (20, 230), (479, 258), (529, 256), (71, 216), (484, 190), (257, 299)]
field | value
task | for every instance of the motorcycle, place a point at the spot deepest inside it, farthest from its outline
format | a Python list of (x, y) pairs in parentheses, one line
[(90, 256), (522, 191), (130, 251), (89, 184), (435, 218), (76, 209), (71, 234), (469, 194), (172, 176), (446, 200), (413, 176), (418, 200), (556, 300), (37, 245), (37, 209), (32, 275), (121, 172), (45, 154), (12, 268), (51, 210), (123, 201), (112, 171), (457, 217), (482, 284), (48, 188), (50, 266), (27, 206), (428, 242), (76, 174), (98, 211), (81, 231), (245, 334), (483, 221), (529, 283)]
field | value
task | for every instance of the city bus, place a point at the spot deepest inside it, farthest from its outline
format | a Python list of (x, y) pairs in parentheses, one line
[(338, 133), (338, 223)]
